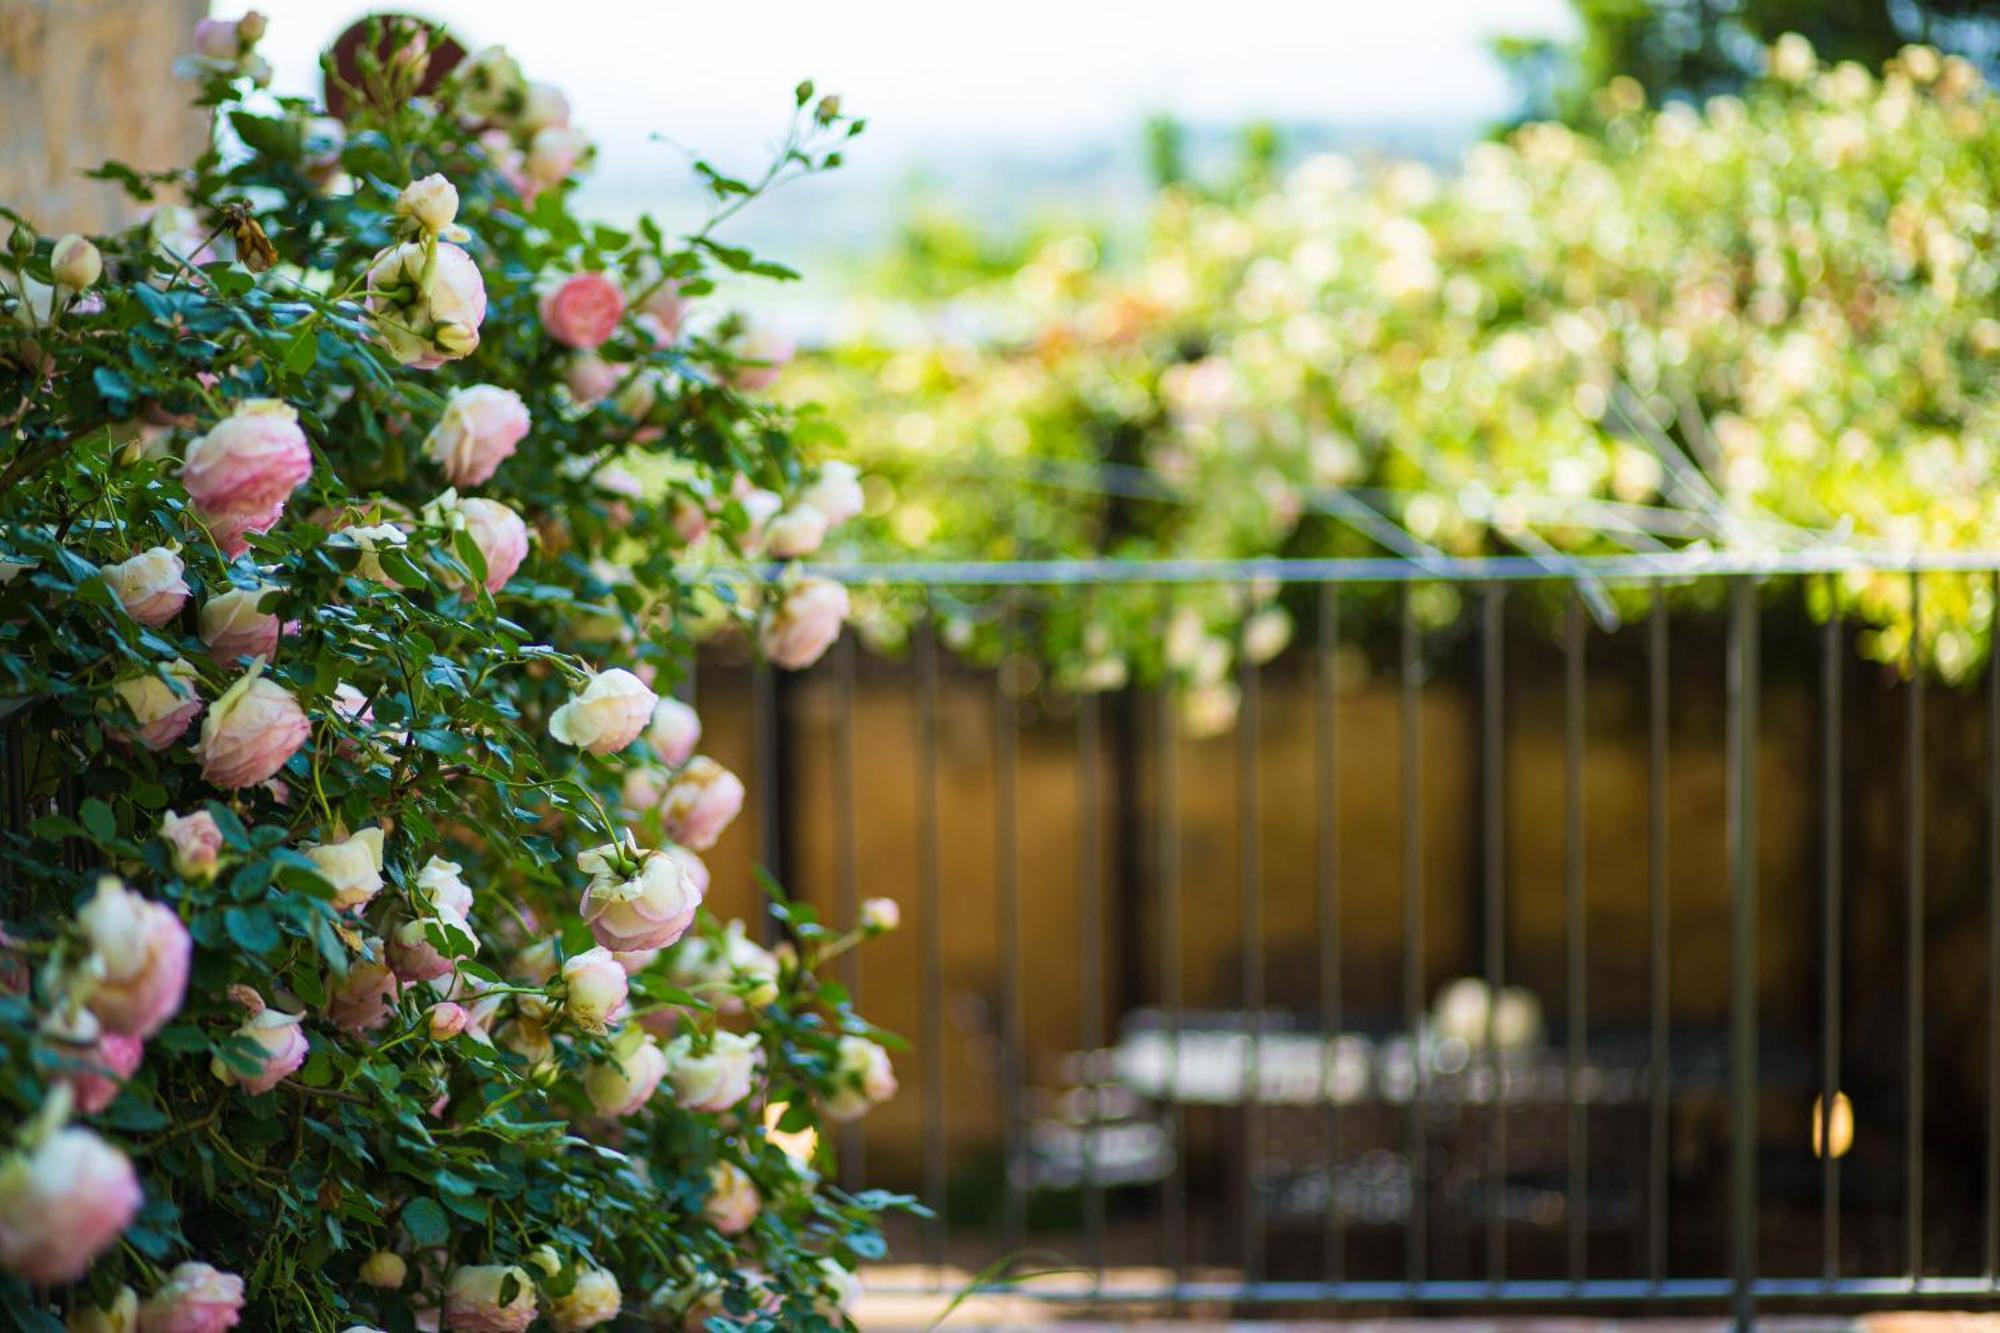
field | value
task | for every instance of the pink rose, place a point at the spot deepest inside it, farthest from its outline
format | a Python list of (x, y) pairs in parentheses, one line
[(62, 1203), (97, 1072), (795, 533), (700, 804), (764, 356), (595, 989), (232, 627), (674, 731), (195, 842), (217, 39), (473, 1304), (281, 1049), (733, 1202), (553, 155), (240, 474), (608, 715), (500, 535), (804, 623), (481, 427), (361, 1001), (446, 1020), (862, 1077), (141, 952), (195, 1299), (636, 899), (583, 311), (150, 585), (253, 729), (715, 1076), (429, 313), (163, 705), (412, 954), (627, 1081), (590, 378), (691, 521)]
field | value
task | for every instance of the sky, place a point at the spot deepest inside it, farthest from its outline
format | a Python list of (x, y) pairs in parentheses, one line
[(949, 86)]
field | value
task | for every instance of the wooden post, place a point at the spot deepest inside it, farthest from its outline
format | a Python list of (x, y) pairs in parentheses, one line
[(82, 81)]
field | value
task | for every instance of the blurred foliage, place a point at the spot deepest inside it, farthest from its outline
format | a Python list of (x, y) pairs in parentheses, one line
[(1695, 49), (1766, 323)]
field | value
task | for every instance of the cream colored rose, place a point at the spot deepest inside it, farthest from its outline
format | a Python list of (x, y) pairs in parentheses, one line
[(353, 865), (594, 1300), (715, 1075), (596, 987), (608, 715), (150, 586), (637, 899)]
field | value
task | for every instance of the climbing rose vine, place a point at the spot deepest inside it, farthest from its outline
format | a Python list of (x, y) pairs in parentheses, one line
[(355, 972)]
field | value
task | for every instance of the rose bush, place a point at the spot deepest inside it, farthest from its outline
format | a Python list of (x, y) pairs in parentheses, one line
[(337, 634)]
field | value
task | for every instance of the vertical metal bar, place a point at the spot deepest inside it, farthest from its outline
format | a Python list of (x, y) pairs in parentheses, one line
[(1576, 943), (1658, 1064), (1913, 1037), (1993, 930), (1742, 831), (1006, 779), (1493, 841), (1251, 963), (1830, 910), (1416, 1238), (931, 1024), (766, 739), (1333, 1256), (1090, 947), (847, 873), (1174, 1187)]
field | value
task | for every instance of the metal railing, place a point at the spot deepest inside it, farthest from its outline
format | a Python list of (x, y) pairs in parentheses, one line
[(1634, 1161)]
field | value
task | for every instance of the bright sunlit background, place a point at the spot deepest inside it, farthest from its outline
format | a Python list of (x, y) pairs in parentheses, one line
[(1035, 105)]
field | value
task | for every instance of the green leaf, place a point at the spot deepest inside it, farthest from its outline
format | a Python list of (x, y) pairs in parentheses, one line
[(252, 927), (98, 820), (426, 1222)]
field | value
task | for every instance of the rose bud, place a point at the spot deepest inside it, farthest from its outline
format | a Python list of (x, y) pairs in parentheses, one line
[(430, 205), (150, 586), (62, 1203), (217, 39), (596, 989), (861, 1077), (594, 1299), (446, 1020), (195, 844), (674, 731), (195, 1299), (96, 1063), (608, 715), (795, 533), (700, 804), (690, 519), (281, 1050), (140, 953), (162, 703), (590, 378), (384, 1269), (804, 623), (76, 263), (628, 910), (232, 627), (415, 958), (481, 426), (626, 1083), (240, 474), (250, 732), (583, 310), (352, 865), (472, 1300), (717, 1076), (835, 492), (733, 1202), (879, 916)]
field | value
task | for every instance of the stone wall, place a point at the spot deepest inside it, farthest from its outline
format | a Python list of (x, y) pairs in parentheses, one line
[(86, 80)]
